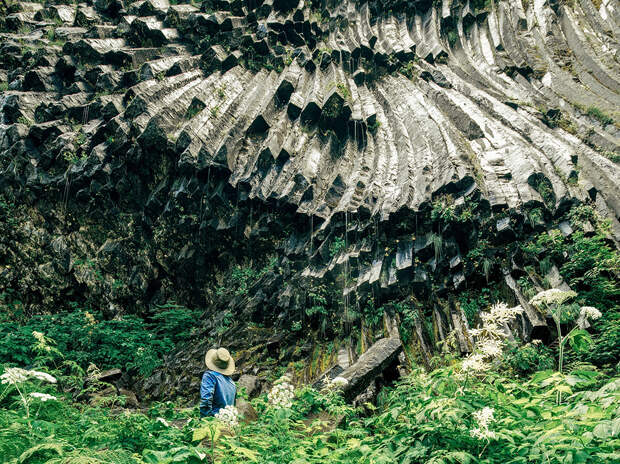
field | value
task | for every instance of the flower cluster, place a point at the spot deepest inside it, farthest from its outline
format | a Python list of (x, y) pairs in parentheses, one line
[(483, 418), (500, 313), (475, 363), (490, 348), (15, 375), (42, 376), (554, 296), (38, 336), (282, 393), (339, 382), (489, 338), (335, 384), (590, 312), (586, 314), (42, 396), (229, 416)]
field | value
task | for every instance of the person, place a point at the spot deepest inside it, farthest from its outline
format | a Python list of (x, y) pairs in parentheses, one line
[(217, 389)]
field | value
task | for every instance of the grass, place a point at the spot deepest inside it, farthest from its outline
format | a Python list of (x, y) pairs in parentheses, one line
[(599, 115), (25, 121), (613, 157), (345, 92), (221, 91)]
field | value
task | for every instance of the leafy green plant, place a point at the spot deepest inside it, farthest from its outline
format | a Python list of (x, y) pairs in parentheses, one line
[(86, 337), (527, 359), (221, 91), (25, 121), (553, 302), (344, 90), (241, 278), (336, 246), (443, 209)]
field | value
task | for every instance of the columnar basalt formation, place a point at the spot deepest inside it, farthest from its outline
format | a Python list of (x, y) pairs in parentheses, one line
[(146, 146)]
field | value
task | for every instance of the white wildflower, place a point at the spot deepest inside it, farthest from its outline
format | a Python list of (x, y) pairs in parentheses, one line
[(590, 312), (42, 396), (536, 341), (162, 421), (475, 332), (229, 416), (14, 375), (339, 382), (39, 336), (43, 376), (552, 296), (490, 348), (281, 395), (475, 364), (483, 417), (482, 434), (499, 314), (284, 379), (493, 323)]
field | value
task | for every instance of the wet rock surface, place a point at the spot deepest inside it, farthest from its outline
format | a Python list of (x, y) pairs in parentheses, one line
[(147, 148)]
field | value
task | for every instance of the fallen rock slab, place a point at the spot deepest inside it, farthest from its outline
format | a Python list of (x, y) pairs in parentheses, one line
[(370, 365)]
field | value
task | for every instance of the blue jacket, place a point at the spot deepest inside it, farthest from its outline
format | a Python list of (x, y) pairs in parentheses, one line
[(216, 391)]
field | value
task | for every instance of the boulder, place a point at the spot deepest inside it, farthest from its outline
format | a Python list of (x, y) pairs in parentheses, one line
[(246, 411), (250, 383), (110, 376), (131, 400), (371, 364)]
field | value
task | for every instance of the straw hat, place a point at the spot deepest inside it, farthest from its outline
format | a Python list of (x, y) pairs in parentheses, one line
[(220, 360)]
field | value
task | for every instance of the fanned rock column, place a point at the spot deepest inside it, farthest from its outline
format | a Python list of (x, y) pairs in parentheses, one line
[(146, 148)]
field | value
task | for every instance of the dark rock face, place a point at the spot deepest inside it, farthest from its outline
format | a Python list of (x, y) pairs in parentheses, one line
[(146, 149)]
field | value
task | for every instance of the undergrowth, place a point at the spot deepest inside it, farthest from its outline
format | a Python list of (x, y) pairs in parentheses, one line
[(85, 336), (445, 416)]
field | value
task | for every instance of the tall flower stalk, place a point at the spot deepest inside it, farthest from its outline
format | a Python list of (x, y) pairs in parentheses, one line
[(15, 376), (489, 339), (552, 303)]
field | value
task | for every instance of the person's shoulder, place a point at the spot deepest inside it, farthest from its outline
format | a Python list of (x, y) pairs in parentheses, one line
[(209, 373)]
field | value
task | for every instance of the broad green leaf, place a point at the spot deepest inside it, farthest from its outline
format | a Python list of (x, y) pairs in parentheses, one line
[(542, 375), (579, 340), (212, 430), (603, 430)]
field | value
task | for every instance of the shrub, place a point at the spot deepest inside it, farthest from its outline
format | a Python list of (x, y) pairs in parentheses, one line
[(128, 342), (527, 359)]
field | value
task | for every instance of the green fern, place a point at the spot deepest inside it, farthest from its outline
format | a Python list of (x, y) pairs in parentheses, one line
[(41, 448)]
